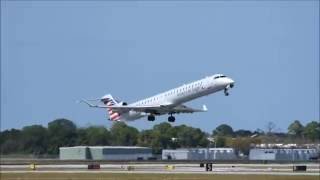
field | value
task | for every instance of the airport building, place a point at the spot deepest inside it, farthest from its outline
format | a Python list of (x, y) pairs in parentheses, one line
[(283, 154), (105, 153), (199, 154)]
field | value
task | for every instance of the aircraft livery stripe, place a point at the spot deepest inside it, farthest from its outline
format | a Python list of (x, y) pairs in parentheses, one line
[(114, 116)]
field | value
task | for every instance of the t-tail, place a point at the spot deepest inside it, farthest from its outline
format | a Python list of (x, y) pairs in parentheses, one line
[(110, 101)]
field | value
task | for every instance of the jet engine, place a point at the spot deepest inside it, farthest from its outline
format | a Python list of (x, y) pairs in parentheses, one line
[(123, 103)]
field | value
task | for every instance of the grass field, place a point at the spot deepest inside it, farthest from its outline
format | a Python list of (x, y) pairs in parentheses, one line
[(128, 176)]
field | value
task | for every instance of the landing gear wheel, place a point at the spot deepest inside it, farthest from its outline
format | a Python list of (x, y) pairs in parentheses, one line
[(226, 92), (151, 118), (171, 118)]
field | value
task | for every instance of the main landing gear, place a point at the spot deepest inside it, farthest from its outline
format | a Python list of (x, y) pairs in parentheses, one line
[(171, 118), (151, 118)]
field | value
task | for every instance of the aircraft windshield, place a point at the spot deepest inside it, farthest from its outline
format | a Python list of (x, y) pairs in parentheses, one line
[(220, 76)]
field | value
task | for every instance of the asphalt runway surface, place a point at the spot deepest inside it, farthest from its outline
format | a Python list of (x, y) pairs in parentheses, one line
[(253, 169)]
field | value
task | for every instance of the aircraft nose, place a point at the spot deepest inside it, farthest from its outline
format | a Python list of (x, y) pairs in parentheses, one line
[(230, 82)]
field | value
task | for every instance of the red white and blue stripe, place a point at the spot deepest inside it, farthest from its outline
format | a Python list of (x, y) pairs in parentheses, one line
[(114, 116)]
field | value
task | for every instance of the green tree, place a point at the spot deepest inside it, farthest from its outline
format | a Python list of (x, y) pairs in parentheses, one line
[(123, 135), (161, 137), (62, 132), (82, 139), (97, 135), (223, 130), (162, 127), (243, 144), (35, 139), (295, 129), (191, 137), (145, 138), (220, 141), (164, 136), (242, 133), (312, 131), (10, 141)]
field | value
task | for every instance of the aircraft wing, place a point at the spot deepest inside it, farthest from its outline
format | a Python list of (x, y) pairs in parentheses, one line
[(159, 109), (186, 109), (146, 109), (156, 109)]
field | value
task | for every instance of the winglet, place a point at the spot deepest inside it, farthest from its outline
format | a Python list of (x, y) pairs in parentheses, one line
[(93, 105), (204, 108), (86, 102)]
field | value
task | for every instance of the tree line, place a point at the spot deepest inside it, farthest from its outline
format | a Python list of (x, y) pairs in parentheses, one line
[(38, 140)]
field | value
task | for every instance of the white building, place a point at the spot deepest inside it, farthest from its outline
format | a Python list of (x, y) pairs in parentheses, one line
[(283, 154), (199, 154), (105, 153)]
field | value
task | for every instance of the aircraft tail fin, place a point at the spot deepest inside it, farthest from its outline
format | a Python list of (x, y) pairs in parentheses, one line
[(110, 101)]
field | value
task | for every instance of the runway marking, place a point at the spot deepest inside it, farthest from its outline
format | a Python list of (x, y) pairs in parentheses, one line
[(167, 172)]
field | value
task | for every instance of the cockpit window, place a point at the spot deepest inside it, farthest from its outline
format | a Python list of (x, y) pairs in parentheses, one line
[(220, 76)]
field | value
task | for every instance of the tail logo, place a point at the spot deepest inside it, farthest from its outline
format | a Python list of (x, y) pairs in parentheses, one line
[(114, 116)]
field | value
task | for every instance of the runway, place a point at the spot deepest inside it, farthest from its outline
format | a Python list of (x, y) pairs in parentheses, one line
[(235, 169)]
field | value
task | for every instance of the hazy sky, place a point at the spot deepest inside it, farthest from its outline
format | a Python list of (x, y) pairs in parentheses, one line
[(55, 53)]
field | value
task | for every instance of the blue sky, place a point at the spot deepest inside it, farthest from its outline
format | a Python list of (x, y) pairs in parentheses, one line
[(55, 53)]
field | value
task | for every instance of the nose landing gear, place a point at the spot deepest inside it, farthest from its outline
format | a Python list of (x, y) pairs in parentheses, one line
[(226, 92)]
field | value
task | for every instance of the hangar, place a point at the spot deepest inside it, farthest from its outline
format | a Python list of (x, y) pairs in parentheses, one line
[(283, 154), (105, 153), (199, 154)]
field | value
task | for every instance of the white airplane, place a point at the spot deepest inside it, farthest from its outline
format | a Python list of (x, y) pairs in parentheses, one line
[(169, 102)]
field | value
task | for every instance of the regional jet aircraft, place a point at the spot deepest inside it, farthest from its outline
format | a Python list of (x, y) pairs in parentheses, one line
[(169, 102)]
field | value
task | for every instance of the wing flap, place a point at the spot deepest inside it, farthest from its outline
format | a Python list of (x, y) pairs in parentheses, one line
[(186, 109)]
